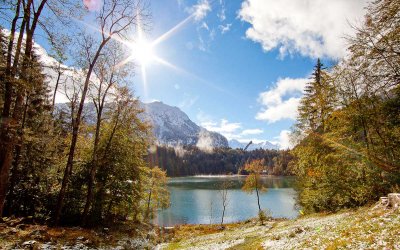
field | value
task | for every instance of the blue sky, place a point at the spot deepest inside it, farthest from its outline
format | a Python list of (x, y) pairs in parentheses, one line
[(238, 67), (242, 64)]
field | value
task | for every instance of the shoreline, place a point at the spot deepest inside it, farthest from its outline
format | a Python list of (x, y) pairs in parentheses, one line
[(229, 175)]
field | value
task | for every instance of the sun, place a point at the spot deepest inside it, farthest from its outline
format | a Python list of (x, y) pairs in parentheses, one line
[(142, 52)]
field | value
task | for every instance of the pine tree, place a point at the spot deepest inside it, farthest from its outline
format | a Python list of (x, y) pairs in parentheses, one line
[(318, 101)]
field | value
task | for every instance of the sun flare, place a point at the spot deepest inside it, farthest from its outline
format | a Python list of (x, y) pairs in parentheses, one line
[(142, 52)]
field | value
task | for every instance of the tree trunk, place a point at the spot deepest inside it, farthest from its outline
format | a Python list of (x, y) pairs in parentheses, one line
[(223, 215), (93, 168), (149, 200), (57, 83), (258, 196), (75, 130)]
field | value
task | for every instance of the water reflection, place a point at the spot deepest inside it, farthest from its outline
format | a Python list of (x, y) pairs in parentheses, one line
[(196, 200)]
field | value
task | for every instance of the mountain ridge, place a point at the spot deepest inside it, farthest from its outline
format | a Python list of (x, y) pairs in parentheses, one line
[(235, 144)]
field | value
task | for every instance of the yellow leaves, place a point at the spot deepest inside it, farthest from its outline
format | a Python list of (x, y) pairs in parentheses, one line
[(314, 173), (255, 166), (253, 180)]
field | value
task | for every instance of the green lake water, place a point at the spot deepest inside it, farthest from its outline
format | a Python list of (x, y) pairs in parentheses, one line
[(197, 200)]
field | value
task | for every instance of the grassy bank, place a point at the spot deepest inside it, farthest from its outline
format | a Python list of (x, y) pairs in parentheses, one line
[(363, 228), (372, 227)]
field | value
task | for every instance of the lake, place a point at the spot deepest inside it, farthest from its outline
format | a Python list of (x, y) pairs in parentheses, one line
[(197, 200)]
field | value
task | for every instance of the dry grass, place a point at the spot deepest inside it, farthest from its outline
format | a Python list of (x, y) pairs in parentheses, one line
[(13, 233), (362, 228), (189, 231)]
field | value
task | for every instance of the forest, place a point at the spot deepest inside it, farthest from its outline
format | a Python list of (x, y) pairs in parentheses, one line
[(188, 161)]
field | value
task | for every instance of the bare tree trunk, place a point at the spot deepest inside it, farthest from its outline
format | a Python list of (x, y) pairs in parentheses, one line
[(258, 196), (7, 83), (75, 130), (223, 215), (57, 83)]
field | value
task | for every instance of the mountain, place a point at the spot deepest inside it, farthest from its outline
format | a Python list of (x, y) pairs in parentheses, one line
[(171, 126), (262, 145)]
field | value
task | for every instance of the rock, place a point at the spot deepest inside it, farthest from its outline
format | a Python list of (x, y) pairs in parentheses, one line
[(383, 201), (394, 200), (30, 244)]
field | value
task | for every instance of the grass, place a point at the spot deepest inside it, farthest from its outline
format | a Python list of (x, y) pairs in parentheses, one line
[(366, 227)]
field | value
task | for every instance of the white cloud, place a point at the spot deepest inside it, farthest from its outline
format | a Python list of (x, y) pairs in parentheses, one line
[(221, 15), (281, 101), (205, 142), (225, 28), (224, 127), (231, 130), (255, 131), (312, 28), (284, 140), (179, 150), (200, 10)]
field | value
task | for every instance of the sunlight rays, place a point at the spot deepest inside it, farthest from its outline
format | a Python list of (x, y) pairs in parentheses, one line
[(170, 32), (143, 53)]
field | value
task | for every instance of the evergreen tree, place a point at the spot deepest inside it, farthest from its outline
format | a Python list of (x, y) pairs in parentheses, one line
[(318, 101)]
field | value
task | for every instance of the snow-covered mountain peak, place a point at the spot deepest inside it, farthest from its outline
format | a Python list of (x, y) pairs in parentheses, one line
[(253, 146), (171, 126)]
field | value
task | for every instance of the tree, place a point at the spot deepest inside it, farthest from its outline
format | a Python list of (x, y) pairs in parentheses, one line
[(115, 19), (253, 181), (108, 75), (122, 172), (224, 187), (317, 103), (158, 194)]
